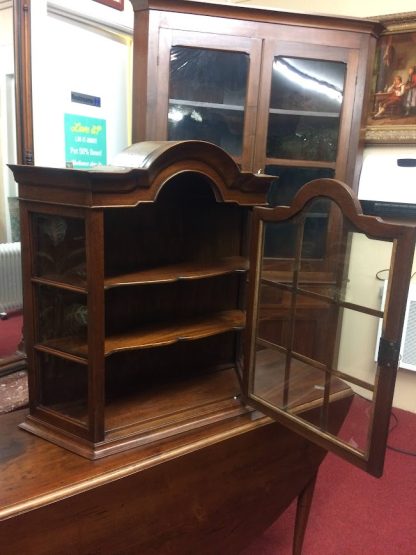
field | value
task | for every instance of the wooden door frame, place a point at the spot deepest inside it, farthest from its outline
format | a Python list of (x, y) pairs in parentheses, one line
[(24, 125), (23, 81)]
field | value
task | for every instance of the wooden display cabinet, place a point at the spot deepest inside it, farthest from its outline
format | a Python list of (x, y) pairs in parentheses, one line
[(135, 300), (135, 294), (281, 92)]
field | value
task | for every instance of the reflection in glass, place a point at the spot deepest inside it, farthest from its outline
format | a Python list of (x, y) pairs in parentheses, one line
[(59, 248), (290, 180), (280, 236), (313, 328), (354, 259), (302, 138), (63, 318), (207, 95), (307, 85), (305, 105), (64, 386)]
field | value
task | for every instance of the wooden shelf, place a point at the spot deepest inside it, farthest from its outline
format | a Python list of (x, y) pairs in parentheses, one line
[(158, 335), (162, 274), (72, 283), (176, 272), (155, 413), (197, 104), (154, 335), (299, 163), (174, 404), (307, 113)]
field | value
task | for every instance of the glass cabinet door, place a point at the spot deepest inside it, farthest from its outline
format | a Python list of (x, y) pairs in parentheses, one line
[(305, 106), (207, 96), (212, 89), (306, 98), (317, 344), (59, 290)]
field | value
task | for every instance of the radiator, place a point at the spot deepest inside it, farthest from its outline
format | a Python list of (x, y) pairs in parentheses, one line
[(10, 277)]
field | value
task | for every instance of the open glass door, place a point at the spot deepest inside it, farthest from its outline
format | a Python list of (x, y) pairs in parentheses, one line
[(318, 339)]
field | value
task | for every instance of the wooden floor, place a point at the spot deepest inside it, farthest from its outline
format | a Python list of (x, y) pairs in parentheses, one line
[(212, 490)]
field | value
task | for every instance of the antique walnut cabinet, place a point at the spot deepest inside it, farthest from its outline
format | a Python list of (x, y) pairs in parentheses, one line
[(136, 300), (162, 326)]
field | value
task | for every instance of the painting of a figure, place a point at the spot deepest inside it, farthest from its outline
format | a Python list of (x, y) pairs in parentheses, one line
[(393, 91)]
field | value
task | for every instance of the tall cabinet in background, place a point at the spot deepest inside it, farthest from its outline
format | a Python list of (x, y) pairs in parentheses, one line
[(282, 93)]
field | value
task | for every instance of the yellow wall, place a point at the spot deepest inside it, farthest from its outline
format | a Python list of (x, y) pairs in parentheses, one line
[(359, 332)]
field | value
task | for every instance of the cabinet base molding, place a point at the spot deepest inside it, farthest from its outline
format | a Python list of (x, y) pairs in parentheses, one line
[(112, 445)]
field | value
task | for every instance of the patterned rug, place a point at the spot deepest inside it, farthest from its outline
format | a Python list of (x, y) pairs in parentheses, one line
[(13, 391)]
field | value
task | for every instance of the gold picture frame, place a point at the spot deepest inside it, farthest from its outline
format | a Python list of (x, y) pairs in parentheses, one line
[(395, 56), (117, 4)]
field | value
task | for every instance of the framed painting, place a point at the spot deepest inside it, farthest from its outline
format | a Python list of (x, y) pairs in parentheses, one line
[(117, 4), (392, 110)]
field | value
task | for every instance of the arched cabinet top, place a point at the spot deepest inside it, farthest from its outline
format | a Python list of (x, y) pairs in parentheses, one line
[(139, 173)]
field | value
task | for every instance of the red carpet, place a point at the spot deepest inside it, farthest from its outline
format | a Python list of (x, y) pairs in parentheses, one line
[(10, 334), (352, 513)]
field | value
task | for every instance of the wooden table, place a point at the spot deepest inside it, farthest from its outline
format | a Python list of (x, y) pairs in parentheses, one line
[(208, 491)]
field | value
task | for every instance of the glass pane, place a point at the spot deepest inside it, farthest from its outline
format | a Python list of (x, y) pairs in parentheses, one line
[(357, 263), (207, 96), (363, 269), (303, 374), (325, 345), (302, 138), (220, 126), (274, 315), (62, 319), (290, 180), (280, 238), (317, 333), (305, 105), (59, 245), (63, 386)]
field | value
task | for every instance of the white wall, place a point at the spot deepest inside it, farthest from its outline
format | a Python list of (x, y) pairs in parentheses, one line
[(7, 121), (81, 47)]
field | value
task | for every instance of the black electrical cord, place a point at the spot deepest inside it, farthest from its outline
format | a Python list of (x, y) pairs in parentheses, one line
[(380, 278), (396, 423), (397, 449)]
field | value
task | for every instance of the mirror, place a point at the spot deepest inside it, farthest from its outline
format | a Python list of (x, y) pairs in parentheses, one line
[(16, 142)]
